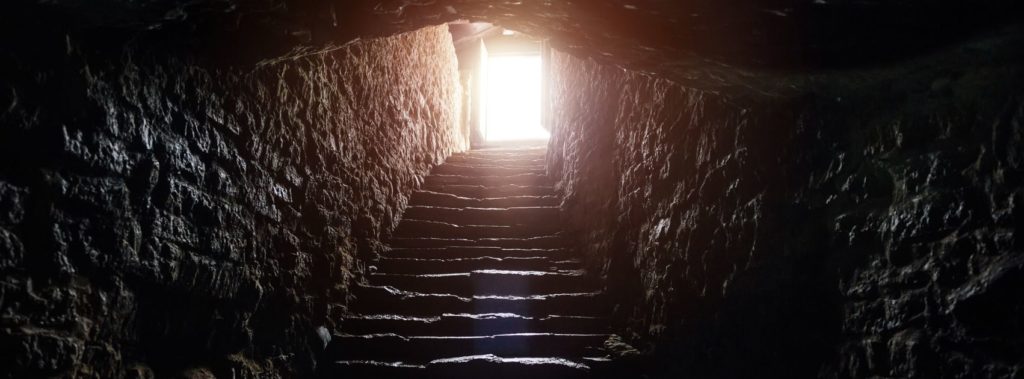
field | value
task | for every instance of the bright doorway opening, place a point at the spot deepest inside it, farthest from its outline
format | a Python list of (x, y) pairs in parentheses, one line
[(513, 93)]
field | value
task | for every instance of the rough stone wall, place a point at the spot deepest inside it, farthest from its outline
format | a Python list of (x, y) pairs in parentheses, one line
[(159, 216), (866, 229)]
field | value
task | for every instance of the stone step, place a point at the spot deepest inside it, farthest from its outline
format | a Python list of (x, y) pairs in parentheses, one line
[(436, 229), (545, 242), (450, 265), (389, 300), (471, 324), (521, 149), (493, 367), (472, 252), (480, 191), (521, 152), (437, 199), (478, 281), (488, 282), (547, 216), (490, 181), (513, 150), (476, 366), (487, 170), (423, 349), (336, 368), (510, 162)]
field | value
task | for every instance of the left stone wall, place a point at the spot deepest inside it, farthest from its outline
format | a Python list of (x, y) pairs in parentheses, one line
[(163, 217)]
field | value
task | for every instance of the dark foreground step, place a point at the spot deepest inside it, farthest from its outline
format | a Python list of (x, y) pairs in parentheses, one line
[(438, 199), (488, 282), (545, 242), (464, 324), (548, 216), (491, 366), (423, 349), (477, 366), (480, 191), (439, 229), (446, 252), (449, 265), (389, 300), (345, 369)]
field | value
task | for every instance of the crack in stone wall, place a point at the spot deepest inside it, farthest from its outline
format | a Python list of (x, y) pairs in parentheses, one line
[(161, 217)]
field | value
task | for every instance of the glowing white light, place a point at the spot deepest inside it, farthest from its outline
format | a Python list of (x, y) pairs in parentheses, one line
[(513, 99)]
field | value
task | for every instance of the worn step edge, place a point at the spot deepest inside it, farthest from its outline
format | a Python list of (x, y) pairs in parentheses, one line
[(430, 198), (369, 369), (446, 252), (421, 349), (467, 324), (474, 366), (488, 282), (493, 366), (538, 156), (544, 215), (481, 191), (490, 180), (458, 159), (485, 170), (541, 242), (449, 265), (504, 153), (412, 228), (384, 299)]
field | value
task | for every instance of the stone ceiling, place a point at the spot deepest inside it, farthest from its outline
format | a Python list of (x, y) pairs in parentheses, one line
[(711, 44)]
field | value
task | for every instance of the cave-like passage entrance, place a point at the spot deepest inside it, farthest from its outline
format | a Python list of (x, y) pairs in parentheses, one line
[(514, 99), (478, 281), (479, 278), (512, 73)]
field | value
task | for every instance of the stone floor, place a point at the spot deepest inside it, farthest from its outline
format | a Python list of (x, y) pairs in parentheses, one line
[(479, 281)]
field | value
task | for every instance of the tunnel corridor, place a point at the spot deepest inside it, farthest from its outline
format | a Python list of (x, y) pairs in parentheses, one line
[(709, 189), (479, 281)]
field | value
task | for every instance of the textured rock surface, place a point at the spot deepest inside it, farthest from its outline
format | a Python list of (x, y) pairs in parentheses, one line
[(158, 216), (711, 44), (165, 212), (867, 229)]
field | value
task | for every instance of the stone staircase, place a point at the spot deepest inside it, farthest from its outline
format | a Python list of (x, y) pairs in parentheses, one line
[(478, 282)]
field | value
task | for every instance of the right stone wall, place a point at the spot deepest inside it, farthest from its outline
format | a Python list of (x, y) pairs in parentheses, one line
[(864, 229)]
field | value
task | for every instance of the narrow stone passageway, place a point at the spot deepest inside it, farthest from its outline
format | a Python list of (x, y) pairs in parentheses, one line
[(478, 282), (279, 189)]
